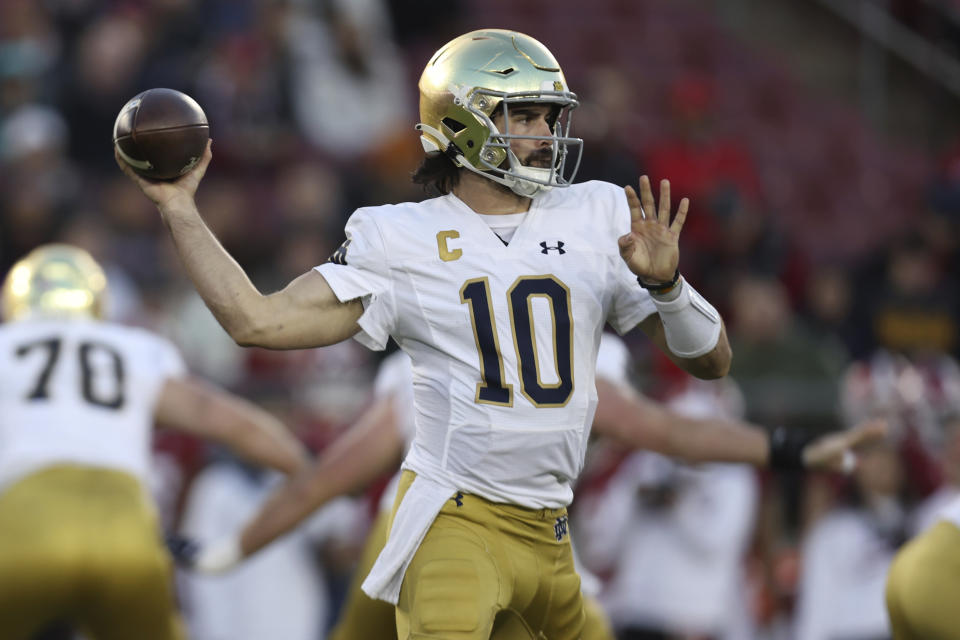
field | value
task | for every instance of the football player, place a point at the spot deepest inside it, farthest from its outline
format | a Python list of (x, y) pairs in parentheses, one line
[(79, 536), (498, 290)]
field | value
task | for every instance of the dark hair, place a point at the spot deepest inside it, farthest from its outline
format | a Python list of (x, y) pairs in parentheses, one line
[(437, 174)]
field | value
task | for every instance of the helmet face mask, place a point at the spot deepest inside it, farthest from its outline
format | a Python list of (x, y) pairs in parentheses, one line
[(480, 74), (496, 151), (55, 280)]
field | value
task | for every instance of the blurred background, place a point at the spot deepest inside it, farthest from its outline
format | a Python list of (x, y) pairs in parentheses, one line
[(816, 139)]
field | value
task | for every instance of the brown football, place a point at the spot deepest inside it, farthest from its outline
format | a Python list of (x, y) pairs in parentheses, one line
[(161, 133)]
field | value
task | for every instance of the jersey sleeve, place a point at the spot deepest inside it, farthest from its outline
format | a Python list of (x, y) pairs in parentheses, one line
[(359, 269), (613, 359), (631, 302)]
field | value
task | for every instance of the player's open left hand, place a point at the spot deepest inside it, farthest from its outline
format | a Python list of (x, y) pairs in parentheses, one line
[(167, 193), (652, 249), (837, 451)]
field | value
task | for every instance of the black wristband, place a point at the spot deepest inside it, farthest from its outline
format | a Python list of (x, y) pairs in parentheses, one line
[(663, 287), (786, 449)]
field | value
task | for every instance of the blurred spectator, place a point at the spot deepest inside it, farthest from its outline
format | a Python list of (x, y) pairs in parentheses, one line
[(789, 375), (700, 162), (828, 306), (350, 89), (906, 304), (29, 49), (604, 121), (243, 83), (101, 75), (745, 240)]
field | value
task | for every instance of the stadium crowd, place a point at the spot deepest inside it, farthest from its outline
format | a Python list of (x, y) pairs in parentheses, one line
[(835, 311)]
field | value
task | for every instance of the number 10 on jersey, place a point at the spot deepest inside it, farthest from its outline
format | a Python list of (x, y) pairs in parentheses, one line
[(492, 389)]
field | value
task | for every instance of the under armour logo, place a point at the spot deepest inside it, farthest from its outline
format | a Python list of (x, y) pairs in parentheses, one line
[(547, 248), (340, 255), (560, 528), (458, 498)]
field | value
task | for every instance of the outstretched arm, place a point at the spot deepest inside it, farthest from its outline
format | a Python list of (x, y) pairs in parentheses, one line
[(641, 423), (364, 452), (195, 407), (686, 327), (369, 448), (304, 314)]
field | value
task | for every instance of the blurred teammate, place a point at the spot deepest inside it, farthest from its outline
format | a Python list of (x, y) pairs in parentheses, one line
[(498, 290), (79, 537)]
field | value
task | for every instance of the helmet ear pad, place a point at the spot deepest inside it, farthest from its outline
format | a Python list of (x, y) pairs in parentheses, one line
[(470, 135)]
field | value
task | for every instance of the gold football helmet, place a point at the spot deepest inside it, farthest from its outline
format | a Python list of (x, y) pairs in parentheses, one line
[(472, 76), (56, 280)]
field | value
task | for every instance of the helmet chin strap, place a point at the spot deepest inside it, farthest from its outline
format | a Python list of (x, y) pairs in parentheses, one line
[(520, 182)]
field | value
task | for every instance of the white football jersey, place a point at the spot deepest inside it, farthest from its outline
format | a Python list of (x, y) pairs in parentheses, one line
[(79, 392), (503, 338), (395, 380)]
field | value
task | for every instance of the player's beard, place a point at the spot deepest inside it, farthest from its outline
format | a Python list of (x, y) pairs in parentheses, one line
[(541, 158)]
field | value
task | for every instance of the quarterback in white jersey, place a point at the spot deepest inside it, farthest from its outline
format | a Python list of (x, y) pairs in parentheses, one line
[(78, 402), (535, 337), (498, 291)]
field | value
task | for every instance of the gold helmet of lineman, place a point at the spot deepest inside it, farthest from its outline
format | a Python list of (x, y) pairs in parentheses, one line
[(56, 280), (473, 76)]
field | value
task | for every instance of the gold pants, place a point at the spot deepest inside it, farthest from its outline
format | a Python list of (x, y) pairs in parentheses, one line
[(82, 544), (363, 617), (923, 586), (487, 570)]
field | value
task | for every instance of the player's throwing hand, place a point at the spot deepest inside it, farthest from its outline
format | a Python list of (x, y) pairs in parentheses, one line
[(651, 249), (163, 193)]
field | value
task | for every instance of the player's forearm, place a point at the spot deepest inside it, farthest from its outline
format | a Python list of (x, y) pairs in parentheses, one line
[(220, 281), (204, 410), (712, 365), (348, 465), (301, 496), (708, 440), (640, 423), (693, 339), (267, 442)]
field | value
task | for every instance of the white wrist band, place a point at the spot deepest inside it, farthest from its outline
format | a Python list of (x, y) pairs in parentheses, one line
[(219, 556), (691, 324)]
